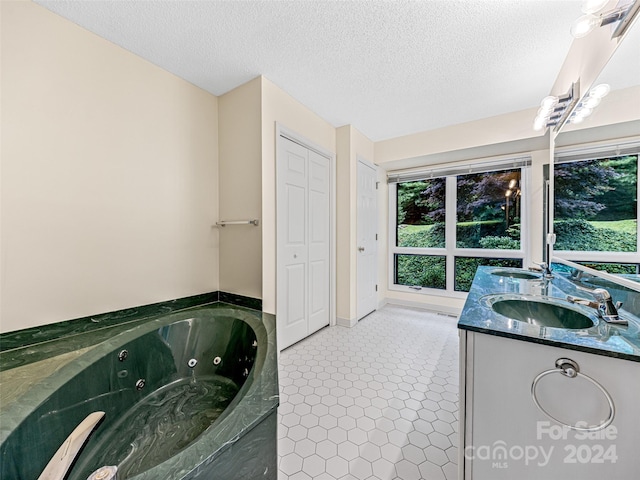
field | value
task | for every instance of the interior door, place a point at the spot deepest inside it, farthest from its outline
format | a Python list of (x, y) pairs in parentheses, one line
[(303, 238), (367, 222)]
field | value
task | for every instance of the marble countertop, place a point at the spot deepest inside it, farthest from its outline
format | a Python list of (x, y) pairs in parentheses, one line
[(602, 339)]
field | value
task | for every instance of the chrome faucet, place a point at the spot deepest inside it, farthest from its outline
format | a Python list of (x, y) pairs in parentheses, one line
[(545, 268), (576, 274), (607, 310)]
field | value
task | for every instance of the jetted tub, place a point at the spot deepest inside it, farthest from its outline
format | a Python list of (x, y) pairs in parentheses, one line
[(192, 395)]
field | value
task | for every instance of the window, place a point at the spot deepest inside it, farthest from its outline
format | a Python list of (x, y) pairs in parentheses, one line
[(488, 210), (421, 213), (446, 225), (421, 270), (615, 268), (596, 211), (465, 268)]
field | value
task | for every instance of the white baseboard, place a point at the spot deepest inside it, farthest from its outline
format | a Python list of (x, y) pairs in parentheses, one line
[(345, 322), (450, 311)]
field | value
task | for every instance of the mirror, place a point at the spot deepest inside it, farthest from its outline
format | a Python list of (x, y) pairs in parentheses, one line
[(612, 119), (592, 279)]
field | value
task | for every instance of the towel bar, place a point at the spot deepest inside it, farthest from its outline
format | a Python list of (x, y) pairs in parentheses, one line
[(223, 223)]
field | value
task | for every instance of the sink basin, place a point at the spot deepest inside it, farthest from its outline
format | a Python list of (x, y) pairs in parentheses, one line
[(541, 311), (519, 274)]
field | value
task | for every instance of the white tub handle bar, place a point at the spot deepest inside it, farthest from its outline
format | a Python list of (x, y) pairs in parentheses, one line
[(59, 464)]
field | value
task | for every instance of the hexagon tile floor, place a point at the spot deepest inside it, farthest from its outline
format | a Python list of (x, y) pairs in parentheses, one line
[(376, 401)]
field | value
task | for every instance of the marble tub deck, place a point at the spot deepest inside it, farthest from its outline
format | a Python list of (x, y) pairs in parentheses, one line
[(30, 345)]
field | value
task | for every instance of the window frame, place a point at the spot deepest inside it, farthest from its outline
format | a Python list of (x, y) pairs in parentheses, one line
[(451, 251)]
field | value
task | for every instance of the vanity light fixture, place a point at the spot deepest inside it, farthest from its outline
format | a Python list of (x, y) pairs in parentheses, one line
[(590, 101), (624, 13), (553, 111)]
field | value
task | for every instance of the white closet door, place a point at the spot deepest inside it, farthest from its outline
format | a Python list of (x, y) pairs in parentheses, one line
[(291, 296), (303, 236), (319, 247)]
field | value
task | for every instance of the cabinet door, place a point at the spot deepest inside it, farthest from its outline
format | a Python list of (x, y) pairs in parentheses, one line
[(511, 438)]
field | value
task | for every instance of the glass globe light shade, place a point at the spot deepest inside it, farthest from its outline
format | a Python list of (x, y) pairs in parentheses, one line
[(599, 91), (591, 102), (583, 112), (539, 123), (584, 25), (549, 102)]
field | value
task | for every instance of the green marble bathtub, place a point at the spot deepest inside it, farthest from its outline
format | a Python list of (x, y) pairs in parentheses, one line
[(208, 403)]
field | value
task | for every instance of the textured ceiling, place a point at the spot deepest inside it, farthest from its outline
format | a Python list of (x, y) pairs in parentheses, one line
[(389, 68)]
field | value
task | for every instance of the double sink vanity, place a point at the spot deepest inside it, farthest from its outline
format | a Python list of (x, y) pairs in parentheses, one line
[(550, 376)]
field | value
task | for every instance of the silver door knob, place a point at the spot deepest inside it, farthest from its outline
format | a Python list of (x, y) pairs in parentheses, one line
[(361, 249)]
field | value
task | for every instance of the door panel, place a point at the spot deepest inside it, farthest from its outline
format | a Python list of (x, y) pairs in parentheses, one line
[(296, 206), (318, 217), (317, 285), (319, 245), (296, 282), (367, 222)]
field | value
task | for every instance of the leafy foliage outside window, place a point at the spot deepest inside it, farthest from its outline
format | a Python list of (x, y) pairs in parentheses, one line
[(421, 210), (421, 271), (596, 205), (466, 269), (488, 210), (614, 268)]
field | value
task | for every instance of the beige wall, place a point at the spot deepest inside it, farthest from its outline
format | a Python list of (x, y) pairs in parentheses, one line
[(513, 130), (240, 189), (279, 107), (109, 176), (345, 227), (248, 118)]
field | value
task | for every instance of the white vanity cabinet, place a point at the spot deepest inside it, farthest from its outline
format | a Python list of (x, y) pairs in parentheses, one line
[(504, 435)]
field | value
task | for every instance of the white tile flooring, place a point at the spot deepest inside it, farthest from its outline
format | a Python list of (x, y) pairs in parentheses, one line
[(376, 401)]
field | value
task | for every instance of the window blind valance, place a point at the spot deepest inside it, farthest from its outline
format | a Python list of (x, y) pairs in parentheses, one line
[(416, 175), (569, 154)]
